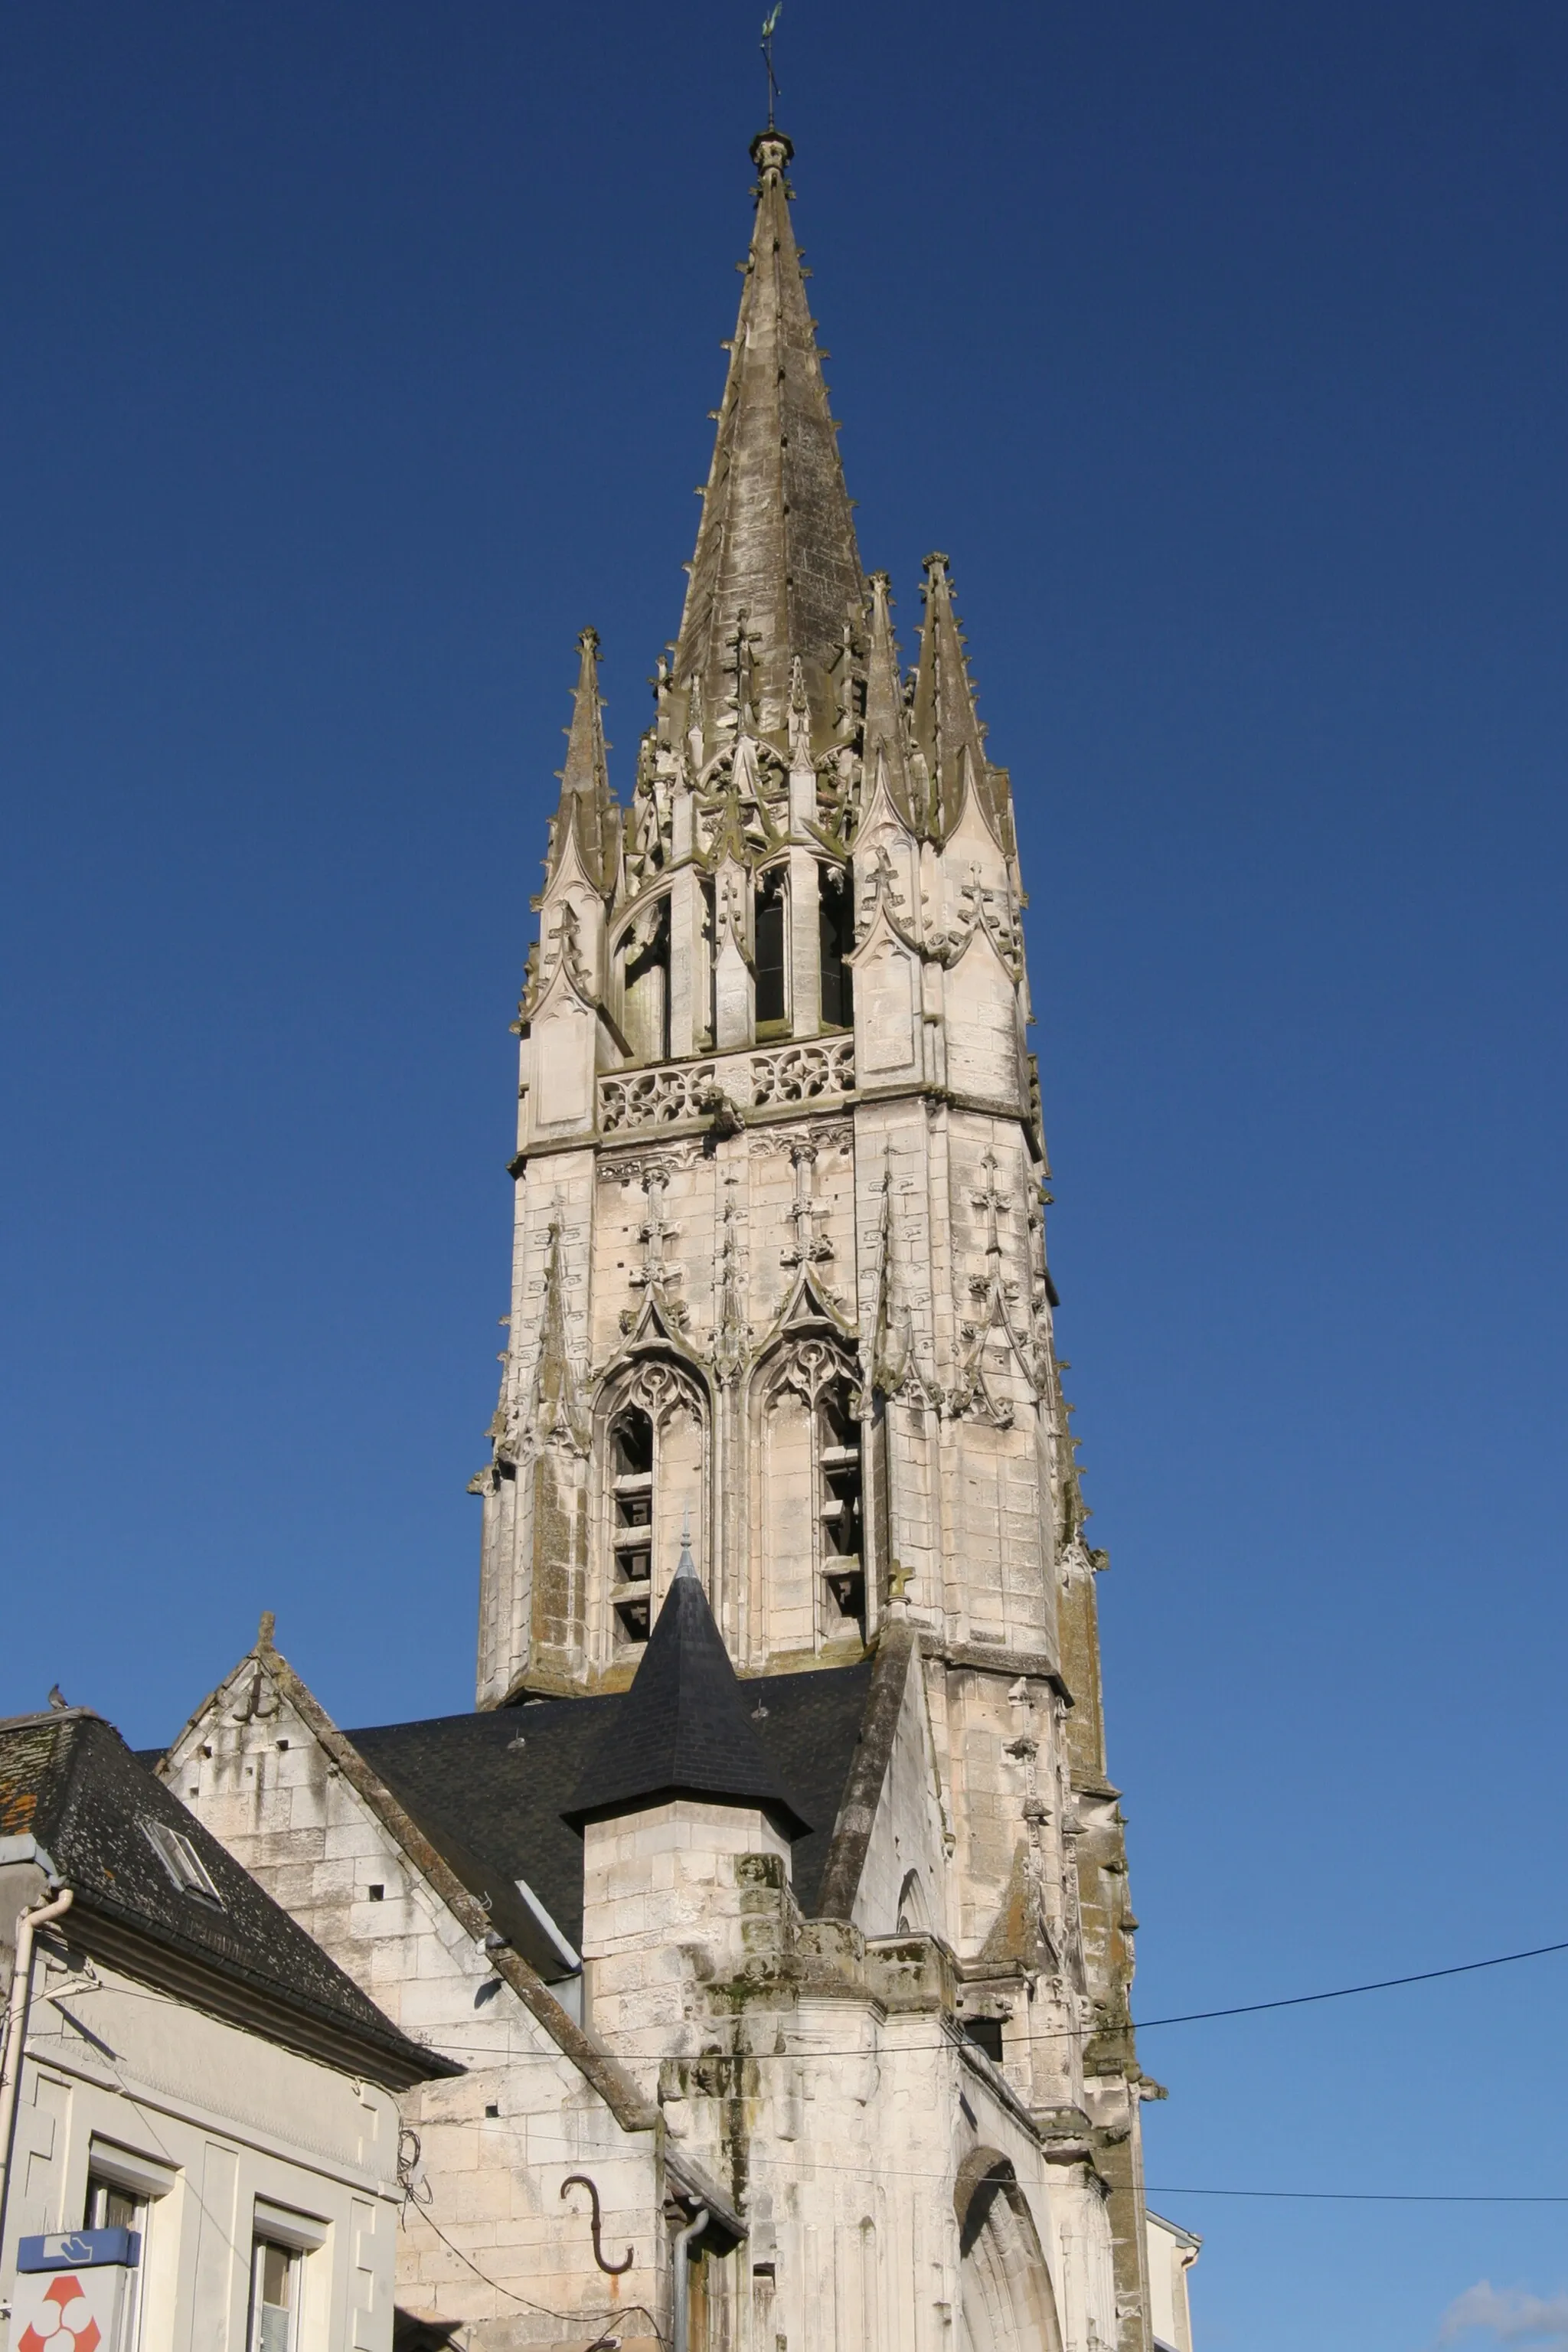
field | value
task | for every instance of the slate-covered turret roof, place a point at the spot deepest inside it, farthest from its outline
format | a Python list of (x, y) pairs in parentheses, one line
[(494, 1782), (777, 536), (68, 1782), (684, 1727)]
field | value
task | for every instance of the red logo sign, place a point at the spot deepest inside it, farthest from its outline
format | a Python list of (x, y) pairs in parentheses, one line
[(64, 2323)]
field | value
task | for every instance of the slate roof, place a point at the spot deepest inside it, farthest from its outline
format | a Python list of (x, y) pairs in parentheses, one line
[(491, 1787), (685, 1729), (68, 1780)]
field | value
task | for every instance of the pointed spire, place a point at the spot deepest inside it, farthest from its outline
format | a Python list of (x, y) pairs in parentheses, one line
[(947, 729), (777, 537), (683, 1729), (587, 802), (887, 723)]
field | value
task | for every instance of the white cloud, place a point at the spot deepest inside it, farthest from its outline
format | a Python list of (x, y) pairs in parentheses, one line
[(1510, 2316)]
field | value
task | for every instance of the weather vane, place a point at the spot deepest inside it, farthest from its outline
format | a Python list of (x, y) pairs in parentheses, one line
[(769, 23)]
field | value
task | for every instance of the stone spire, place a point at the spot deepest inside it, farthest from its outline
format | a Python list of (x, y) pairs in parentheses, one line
[(887, 722), (683, 1729), (587, 806), (777, 539), (948, 740)]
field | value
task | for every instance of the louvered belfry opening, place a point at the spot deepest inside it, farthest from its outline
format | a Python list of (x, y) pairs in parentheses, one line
[(770, 920), (631, 1498), (838, 1509)]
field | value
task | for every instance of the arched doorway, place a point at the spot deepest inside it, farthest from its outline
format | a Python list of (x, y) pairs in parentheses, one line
[(1007, 2302)]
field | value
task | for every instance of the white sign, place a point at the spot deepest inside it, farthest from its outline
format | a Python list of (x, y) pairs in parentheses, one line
[(69, 2311)]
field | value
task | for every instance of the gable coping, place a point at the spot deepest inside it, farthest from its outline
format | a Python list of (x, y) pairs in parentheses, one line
[(626, 2102), (867, 1772)]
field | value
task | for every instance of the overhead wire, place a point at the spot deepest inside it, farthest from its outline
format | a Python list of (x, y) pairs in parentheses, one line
[(1145, 2024), (1268, 2196), (1344, 1992), (409, 2181), (1363, 2196)]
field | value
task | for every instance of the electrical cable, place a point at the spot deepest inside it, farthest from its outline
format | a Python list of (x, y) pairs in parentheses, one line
[(407, 2170), (1187, 2017), (1344, 1992), (1140, 2025), (1073, 2033), (1360, 2196), (1153, 2189), (872, 2169)]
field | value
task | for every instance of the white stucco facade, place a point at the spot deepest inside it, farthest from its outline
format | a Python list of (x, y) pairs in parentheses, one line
[(220, 2133)]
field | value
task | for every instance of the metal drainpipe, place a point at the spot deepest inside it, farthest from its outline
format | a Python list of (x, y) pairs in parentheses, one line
[(681, 2330), (27, 1926)]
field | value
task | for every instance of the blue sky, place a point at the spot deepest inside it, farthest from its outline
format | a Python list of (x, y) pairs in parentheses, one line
[(356, 357)]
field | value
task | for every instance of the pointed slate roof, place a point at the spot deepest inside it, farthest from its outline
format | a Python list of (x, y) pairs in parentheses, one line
[(587, 805), (777, 536), (683, 1729)]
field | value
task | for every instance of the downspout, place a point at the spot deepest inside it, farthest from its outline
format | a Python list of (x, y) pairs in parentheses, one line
[(681, 2327), (27, 1925)]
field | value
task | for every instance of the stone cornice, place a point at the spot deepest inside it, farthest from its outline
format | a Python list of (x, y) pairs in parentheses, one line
[(980, 1656)]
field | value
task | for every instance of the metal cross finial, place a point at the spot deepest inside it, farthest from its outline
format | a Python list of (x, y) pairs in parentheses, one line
[(770, 24)]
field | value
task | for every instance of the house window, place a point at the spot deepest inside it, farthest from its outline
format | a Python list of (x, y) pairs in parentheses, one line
[(769, 931), (836, 931), (274, 2297), (111, 2207), (179, 1857), (631, 1530), (122, 2189), (838, 1509)]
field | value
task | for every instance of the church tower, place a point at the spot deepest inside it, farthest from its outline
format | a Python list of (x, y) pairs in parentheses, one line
[(779, 1272)]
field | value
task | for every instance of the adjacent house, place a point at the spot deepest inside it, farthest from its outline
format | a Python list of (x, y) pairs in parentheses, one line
[(199, 2110), (1173, 2250)]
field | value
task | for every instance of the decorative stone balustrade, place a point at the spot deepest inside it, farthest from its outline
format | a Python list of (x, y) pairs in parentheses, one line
[(656, 1098), (793, 1073), (783, 1075)]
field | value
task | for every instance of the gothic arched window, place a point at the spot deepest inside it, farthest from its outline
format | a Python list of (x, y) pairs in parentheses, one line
[(914, 1910), (652, 1478), (704, 992), (644, 953), (770, 932), (836, 933), (813, 1587), (632, 1523), (839, 1504)]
